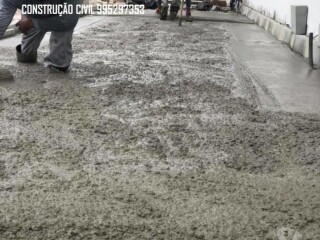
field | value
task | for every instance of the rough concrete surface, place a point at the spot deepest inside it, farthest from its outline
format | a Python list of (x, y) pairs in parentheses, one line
[(5, 75), (152, 135), (283, 79)]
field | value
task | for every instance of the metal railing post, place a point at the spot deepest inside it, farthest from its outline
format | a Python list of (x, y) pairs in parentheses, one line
[(311, 50)]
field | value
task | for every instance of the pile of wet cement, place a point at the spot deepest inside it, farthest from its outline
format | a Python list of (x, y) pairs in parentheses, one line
[(145, 139)]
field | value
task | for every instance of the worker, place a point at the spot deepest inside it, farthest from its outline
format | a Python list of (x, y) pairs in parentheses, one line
[(34, 28), (232, 4), (174, 9)]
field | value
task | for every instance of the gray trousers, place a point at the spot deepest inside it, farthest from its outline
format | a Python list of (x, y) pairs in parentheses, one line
[(60, 54)]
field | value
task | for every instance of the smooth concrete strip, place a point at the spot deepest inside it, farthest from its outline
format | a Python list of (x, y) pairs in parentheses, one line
[(283, 79), (298, 43)]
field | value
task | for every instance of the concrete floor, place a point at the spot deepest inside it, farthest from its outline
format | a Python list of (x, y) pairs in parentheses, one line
[(283, 79), (152, 135)]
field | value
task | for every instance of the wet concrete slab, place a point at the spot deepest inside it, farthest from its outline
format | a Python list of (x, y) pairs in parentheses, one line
[(283, 79), (144, 138)]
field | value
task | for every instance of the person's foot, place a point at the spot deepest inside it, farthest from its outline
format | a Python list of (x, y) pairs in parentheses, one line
[(188, 12), (158, 11), (174, 9), (25, 58), (53, 69), (164, 13)]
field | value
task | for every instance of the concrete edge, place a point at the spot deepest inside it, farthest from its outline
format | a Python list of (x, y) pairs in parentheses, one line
[(297, 43)]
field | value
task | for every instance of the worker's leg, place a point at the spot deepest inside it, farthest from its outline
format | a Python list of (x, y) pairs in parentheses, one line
[(161, 3), (158, 11), (232, 2), (31, 41), (165, 2), (60, 54), (188, 11), (188, 3), (164, 10), (175, 2), (174, 9)]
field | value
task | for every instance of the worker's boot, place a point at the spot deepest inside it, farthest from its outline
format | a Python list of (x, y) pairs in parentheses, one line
[(26, 58), (164, 12), (158, 11), (188, 13), (174, 9)]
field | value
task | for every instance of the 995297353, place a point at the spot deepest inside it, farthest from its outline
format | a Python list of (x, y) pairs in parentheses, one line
[(110, 9)]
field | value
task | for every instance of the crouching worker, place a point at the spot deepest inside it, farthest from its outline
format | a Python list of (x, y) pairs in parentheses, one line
[(163, 7), (34, 28)]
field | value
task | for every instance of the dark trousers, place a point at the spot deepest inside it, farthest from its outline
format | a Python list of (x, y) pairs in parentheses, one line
[(188, 3), (232, 4)]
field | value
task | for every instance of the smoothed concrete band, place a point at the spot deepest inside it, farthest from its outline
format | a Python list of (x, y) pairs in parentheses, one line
[(297, 43)]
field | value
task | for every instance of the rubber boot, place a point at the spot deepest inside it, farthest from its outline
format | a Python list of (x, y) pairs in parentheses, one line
[(158, 11), (26, 58), (188, 12), (174, 9), (164, 12)]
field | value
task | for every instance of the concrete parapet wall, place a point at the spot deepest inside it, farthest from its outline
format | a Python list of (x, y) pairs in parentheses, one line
[(281, 11), (298, 43)]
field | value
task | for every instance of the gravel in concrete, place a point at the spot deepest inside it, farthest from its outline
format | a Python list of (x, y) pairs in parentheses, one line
[(152, 135)]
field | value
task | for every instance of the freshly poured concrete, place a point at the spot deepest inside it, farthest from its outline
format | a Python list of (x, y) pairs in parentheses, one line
[(282, 78), (154, 134)]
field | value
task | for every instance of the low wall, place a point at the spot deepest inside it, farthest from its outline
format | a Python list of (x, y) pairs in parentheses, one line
[(298, 43), (280, 10)]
